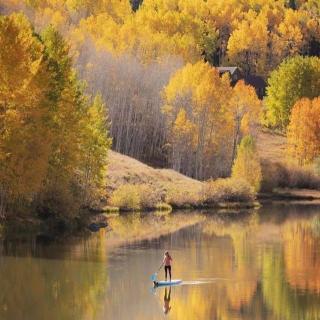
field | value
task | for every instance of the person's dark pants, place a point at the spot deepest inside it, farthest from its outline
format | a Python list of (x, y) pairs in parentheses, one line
[(166, 269)]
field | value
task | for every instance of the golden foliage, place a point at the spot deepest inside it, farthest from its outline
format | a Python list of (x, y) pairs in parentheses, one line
[(206, 119), (126, 197), (247, 164), (303, 131), (301, 262), (230, 189), (136, 197), (247, 45), (51, 138), (25, 139), (195, 111)]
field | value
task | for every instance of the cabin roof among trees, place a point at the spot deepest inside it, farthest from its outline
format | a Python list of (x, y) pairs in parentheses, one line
[(231, 70)]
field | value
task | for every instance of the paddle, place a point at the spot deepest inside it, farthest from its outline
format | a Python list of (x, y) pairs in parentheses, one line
[(154, 276)]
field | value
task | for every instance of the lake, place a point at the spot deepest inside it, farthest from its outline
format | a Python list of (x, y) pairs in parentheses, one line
[(263, 264)]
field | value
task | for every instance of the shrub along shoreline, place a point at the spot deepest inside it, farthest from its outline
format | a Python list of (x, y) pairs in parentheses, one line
[(221, 193)]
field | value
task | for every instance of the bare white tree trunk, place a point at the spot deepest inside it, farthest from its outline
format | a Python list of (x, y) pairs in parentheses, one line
[(132, 93)]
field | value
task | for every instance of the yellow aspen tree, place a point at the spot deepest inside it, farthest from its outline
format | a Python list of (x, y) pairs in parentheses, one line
[(200, 92), (52, 139), (288, 38), (248, 43), (24, 111), (245, 108), (95, 144), (247, 164)]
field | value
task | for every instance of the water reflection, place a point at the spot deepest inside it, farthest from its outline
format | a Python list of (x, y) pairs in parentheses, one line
[(55, 282), (262, 265)]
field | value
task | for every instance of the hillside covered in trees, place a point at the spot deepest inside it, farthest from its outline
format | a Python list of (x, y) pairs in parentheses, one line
[(163, 92)]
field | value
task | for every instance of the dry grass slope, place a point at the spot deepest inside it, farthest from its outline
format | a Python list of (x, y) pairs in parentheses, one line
[(134, 185), (125, 170), (179, 191), (271, 146), (280, 176)]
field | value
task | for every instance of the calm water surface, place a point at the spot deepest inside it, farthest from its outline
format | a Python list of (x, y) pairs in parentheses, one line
[(259, 265)]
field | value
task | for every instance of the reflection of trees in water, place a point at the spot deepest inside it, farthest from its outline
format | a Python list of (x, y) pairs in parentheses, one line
[(244, 268), (266, 281), (271, 267), (302, 256), (138, 226), (315, 224), (33, 288), (225, 253), (291, 273), (285, 301)]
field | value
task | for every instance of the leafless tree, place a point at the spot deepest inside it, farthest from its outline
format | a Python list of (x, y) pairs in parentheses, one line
[(132, 93)]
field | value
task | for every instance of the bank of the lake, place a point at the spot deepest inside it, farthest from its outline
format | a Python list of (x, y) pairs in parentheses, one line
[(130, 178), (143, 188)]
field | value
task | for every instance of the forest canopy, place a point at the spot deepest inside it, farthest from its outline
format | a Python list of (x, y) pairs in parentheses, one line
[(156, 64)]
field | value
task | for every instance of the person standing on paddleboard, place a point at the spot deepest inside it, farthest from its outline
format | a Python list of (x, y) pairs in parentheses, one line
[(167, 264)]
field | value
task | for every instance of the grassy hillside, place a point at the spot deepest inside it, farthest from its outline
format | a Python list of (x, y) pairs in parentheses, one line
[(137, 185), (271, 146), (285, 179), (126, 170)]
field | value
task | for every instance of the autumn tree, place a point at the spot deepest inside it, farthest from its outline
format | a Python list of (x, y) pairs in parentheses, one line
[(24, 107), (245, 108), (80, 142), (247, 45), (267, 33), (295, 78), (93, 149), (131, 90), (303, 131), (247, 164), (53, 140), (294, 34), (195, 110)]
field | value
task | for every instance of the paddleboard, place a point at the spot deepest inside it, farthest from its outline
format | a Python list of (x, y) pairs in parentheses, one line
[(167, 283)]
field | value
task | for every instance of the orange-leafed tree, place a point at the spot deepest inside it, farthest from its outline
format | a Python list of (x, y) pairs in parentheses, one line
[(303, 132)]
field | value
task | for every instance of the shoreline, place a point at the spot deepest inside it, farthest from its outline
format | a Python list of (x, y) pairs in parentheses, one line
[(53, 229), (286, 194)]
